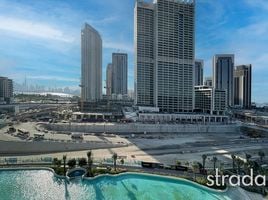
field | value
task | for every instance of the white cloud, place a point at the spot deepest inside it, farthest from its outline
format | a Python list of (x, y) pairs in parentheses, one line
[(33, 29)]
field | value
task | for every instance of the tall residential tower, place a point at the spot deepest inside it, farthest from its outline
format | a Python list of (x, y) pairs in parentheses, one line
[(223, 75), (91, 65), (119, 73), (164, 54), (198, 72), (242, 86)]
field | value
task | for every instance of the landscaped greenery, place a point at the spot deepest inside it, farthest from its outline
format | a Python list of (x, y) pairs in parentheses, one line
[(82, 162), (71, 163)]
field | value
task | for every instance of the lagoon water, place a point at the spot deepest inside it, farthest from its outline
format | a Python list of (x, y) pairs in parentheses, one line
[(43, 185)]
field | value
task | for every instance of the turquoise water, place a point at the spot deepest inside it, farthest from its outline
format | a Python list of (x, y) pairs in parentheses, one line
[(76, 173), (42, 185)]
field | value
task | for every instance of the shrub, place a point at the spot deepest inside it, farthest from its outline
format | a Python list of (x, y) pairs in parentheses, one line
[(201, 180), (71, 163), (82, 162)]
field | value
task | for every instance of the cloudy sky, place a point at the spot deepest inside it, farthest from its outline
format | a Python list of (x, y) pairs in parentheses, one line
[(40, 39)]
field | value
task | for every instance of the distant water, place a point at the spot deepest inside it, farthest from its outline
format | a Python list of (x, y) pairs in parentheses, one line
[(42, 185)]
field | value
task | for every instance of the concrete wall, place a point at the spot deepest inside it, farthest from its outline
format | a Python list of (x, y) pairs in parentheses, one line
[(140, 128)]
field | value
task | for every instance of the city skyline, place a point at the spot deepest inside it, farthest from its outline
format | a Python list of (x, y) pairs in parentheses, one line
[(43, 45)]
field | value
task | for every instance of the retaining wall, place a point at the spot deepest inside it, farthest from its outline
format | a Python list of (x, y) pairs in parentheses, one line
[(141, 128)]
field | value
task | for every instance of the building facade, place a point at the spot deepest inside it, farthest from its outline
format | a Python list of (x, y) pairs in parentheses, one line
[(208, 81), (164, 54), (109, 72), (223, 75), (210, 100), (91, 65), (198, 72), (242, 86), (119, 73), (144, 56), (6, 90)]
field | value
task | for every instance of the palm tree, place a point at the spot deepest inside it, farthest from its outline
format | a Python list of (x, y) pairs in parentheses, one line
[(64, 163), (233, 158), (214, 159), (204, 157), (114, 157), (262, 155), (89, 162)]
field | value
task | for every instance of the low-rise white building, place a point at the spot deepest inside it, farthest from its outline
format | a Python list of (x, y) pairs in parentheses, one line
[(210, 100)]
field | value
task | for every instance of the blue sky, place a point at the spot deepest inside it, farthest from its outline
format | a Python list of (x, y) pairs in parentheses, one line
[(40, 40)]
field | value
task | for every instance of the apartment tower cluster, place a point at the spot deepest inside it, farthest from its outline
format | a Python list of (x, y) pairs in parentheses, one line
[(168, 76)]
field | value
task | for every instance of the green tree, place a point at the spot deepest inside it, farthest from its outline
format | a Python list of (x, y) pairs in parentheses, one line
[(64, 163), (89, 162), (178, 163), (71, 163), (57, 162), (82, 162), (114, 157), (204, 157), (214, 159)]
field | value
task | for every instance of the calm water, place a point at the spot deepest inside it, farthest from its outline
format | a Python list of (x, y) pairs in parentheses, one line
[(42, 185)]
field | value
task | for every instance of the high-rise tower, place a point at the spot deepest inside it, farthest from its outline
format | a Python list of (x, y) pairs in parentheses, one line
[(91, 65), (164, 54), (119, 73), (242, 86), (198, 72), (223, 75)]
